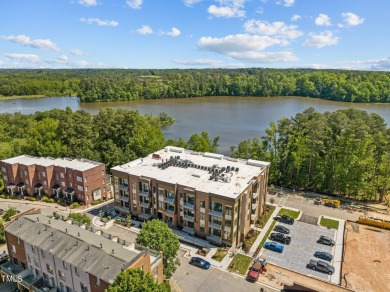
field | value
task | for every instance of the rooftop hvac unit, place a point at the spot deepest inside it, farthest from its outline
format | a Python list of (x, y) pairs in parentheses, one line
[(232, 168), (171, 157), (223, 169), (208, 168), (159, 165), (177, 157), (237, 169), (228, 168), (216, 178), (211, 177)]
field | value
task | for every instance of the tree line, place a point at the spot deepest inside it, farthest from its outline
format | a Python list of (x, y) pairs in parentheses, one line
[(111, 85), (346, 152)]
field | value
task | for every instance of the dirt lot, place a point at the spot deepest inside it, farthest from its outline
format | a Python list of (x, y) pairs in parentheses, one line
[(367, 258)]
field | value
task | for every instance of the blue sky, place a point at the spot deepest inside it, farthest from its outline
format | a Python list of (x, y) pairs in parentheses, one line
[(351, 34)]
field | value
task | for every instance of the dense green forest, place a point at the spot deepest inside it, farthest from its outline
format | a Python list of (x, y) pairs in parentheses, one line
[(346, 152), (112, 85)]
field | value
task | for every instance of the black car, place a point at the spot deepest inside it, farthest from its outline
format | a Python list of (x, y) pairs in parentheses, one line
[(321, 266), (199, 262), (285, 219), (280, 237), (282, 229), (323, 255)]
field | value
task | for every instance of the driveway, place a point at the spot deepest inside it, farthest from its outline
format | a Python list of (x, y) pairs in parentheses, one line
[(301, 250), (191, 279)]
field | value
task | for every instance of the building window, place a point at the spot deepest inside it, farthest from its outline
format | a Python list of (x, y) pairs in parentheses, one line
[(61, 274), (28, 259), (142, 267), (87, 197), (56, 176), (27, 182), (227, 235), (25, 173), (97, 281), (156, 271), (43, 174), (13, 249), (102, 172), (42, 253), (64, 265), (62, 175), (79, 179), (33, 249), (85, 179), (45, 183), (15, 261), (71, 185), (5, 178), (202, 215), (203, 204), (84, 288), (36, 262), (80, 188), (45, 276), (76, 270), (49, 269), (63, 184), (3, 169), (133, 188), (228, 210)]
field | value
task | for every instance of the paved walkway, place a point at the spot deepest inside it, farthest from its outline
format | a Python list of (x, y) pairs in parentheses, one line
[(262, 233)]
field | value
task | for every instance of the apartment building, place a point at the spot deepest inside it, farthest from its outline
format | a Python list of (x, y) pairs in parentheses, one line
[(49, 255), (211, 195), (72, 179)]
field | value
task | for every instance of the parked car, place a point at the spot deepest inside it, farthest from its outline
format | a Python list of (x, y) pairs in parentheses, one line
[(321, 266), (1, 211), (282, 229), (323, 255), (257, 268), (285, 219), (3, 257), (274, 246), (326, 240), (199, 262), (275, 236)]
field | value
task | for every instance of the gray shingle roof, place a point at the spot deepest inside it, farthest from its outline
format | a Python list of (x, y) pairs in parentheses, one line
[(74, 245)]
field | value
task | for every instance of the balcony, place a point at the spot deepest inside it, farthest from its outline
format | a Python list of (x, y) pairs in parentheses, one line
[(253, 217), (144, 204), (189, 205), (122, 209), (123, 188), (169, 200), (202, 210), (215, 225), (228, 217), (30, 280), (43, 286), (144, 194), (214, 238), (189, 218), (254, 206), (13, 270), (217, 212), (124, 198), (169, 212), (255, 195)]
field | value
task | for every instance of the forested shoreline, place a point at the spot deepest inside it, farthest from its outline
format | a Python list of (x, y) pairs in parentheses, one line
[(92, 85), (346, 152)]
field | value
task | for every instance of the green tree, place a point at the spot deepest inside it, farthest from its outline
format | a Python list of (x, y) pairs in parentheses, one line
[(158, 236), (136, 280), (9, 213), (81, 218)]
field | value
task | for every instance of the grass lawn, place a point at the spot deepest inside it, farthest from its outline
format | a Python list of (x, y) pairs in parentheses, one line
[(240, 264), (290, 213), (220, 254), (329, 223), (267, 234), (19, 97)]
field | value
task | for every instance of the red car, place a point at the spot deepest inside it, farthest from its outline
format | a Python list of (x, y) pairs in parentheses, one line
[(257, 268)]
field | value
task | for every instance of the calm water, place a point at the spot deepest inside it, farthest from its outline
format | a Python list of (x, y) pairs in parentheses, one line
[(232, 118)]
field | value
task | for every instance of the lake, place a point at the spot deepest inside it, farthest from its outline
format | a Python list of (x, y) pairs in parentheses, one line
[(232, 118)]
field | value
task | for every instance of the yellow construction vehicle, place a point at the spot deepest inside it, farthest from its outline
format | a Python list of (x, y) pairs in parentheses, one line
[(330, 203)]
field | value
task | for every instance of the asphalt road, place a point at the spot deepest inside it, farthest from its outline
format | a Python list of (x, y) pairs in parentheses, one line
[(194, 279)]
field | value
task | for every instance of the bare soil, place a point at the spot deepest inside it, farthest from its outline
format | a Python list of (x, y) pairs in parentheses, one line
[(366, 259)]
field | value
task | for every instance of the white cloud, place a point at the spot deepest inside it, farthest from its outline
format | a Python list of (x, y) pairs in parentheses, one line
[(323, 20), (88, 2), (191, 2), (352, 19), (63, 58), (296, 17), (372, 65), (1, 62), (245, 47), (225, 11), (173, 33), (32, 58), (135, 4), (100, 22), (259, 10), (145, 29), (27, 41), (321, 40), (77, 52), (278, 29), (289, 3)]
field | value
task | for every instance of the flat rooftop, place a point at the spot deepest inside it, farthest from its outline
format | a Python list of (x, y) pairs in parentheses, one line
[(78, 247), (78, 164), (228, 184)]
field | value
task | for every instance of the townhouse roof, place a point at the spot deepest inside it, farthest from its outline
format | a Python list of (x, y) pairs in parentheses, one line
[(197, 174), (77, 164), (76, 246)]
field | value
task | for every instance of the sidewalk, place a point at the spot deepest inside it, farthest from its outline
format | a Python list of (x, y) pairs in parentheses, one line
[(263, 232)]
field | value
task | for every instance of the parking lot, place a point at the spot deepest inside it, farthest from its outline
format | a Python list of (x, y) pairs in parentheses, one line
[(301, 250)]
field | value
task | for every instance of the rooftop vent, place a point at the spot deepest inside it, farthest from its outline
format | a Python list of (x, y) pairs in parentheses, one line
[(49, 222), (113, 251), (78, 233), (101, 245)]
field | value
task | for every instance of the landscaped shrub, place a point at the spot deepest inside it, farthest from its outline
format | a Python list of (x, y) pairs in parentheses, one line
[(31, 199), (96, 202)]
